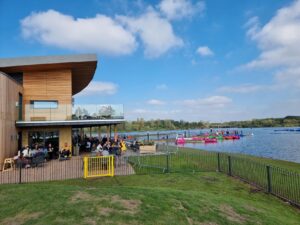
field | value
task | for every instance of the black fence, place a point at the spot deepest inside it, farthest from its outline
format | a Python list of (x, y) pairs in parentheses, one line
[(280, 182), (43, 171)]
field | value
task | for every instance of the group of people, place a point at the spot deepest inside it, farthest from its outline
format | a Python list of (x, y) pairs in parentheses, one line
[(27, 155), (102, 146)]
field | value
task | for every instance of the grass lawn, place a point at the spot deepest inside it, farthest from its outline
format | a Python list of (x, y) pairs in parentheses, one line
[(199, 198), (292, 166)]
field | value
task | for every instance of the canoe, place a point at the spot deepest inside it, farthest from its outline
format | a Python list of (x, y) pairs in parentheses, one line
[(210, 140)]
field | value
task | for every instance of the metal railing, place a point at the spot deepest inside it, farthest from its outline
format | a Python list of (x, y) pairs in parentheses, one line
[(73, 112)]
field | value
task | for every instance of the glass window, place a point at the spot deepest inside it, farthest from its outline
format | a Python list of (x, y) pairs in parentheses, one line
[(43, 138), (44, 104)]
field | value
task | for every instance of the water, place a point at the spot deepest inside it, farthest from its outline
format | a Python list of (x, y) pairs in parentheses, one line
[(265, 142)]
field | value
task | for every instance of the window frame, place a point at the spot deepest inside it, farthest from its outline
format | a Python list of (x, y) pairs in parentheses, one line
[(50, 106)]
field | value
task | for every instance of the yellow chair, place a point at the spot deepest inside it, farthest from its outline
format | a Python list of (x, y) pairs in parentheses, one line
[(9, 164)]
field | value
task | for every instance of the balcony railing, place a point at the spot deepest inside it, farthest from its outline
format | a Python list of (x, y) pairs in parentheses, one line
[(73, 112)]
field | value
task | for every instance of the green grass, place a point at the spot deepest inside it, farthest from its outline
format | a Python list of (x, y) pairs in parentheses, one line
[(199, 198), (284, 183), (292, 166)]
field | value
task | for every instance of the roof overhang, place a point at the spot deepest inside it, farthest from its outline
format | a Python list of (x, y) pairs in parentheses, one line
[(73, 123), (83, 67)]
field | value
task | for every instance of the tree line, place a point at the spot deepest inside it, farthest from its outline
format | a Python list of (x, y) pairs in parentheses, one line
[(150, 125)]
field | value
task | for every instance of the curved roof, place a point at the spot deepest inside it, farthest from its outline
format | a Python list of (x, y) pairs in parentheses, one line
[(83, 67)]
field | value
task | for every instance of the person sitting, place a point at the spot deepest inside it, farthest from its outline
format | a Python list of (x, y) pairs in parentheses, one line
[(50, 151), (99, 147), (106, 146), (88, 145), (65, 152), (26, 152)]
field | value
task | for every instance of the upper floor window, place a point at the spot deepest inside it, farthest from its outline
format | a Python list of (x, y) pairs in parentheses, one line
[(44, 104)]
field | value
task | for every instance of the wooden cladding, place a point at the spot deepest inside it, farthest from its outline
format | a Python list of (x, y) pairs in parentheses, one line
[(9, 96), (49, 85)]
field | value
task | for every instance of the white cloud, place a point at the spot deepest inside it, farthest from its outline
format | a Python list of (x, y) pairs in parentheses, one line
[(155, 102), (103, 34), (161, 87), (241, 89), (289, 77), (100, 33), (204, 51), (177, 9), (279, 39), (212, 101), (96, 88), (155, 32)]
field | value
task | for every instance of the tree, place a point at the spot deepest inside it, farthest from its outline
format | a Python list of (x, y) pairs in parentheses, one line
[(106, 111)]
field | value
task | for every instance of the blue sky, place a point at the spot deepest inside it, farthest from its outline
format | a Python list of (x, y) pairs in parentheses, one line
[(212, 60)]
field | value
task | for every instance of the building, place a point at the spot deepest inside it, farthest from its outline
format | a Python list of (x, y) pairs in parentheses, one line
[(37, 105)]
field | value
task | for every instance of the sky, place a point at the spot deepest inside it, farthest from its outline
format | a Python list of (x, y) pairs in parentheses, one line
[(213, 60)]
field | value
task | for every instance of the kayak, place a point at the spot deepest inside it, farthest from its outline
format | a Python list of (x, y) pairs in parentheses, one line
[(210, 140)]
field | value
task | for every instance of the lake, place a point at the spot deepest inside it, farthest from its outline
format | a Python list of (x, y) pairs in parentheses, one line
[(266, 142)]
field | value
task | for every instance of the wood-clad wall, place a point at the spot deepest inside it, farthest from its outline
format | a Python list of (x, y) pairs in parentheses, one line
[(9, 95), (48, 85)]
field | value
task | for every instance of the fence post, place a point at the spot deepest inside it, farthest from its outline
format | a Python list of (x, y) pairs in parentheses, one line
[(85, 166), (229, 166), (219, 165), (168, 166), (158, 136), (269, 177), (148, 137), (20, 172)]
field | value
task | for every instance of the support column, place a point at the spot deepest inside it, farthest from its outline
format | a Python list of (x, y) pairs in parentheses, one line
[(90, 132), (81, 134), (107, 132), (115, 133), (99, 133)]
